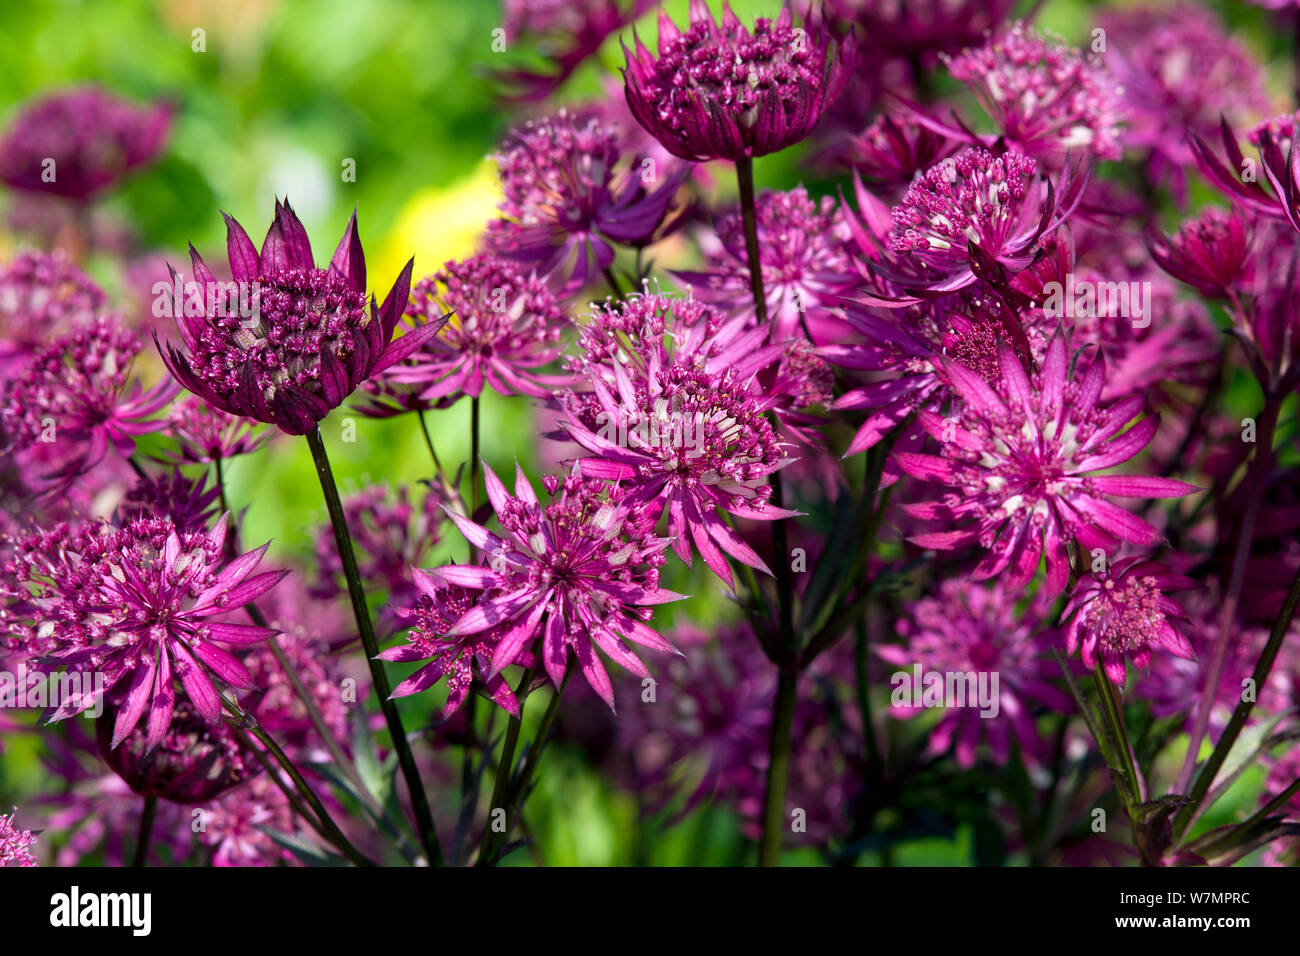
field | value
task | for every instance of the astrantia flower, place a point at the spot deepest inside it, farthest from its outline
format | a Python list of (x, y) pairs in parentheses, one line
[(193, 761), (1208, 252), (1123, 614), (580, 572), (567, 200), (706, 735), (893, 149), (460, 659), (1020, 456), (920, 28), (1045, 98), (568, 32), (78, 394), (137, 603), (42, 297), (1181, 73), (188, 502), (389, 534), (92, 138), (973, 629), (15, 845), (206, 434), (998, 204), (718, 91), (312, 340), (805, 263), (236, 825), (505, 323), (674, 420)]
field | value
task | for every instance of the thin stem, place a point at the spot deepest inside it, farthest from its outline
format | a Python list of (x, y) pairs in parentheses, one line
[(769, 848), (467, 760), (769, 853), (501, 786), (1241, 713), (146, 831), (1253, 485), (745, 179), (519, 786), (324, 824), (402, 746)]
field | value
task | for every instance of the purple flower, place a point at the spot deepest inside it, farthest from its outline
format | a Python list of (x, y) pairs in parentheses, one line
[(15, 845), (136, 603), (674, 420), (1208, 252), (309, 343), (975, 202), (192, 761), (893, 149), (568, 31), (1045, 98), (187, 502), (566, 200), (1124, 613), (207, 434), (1019, 456), (505, 323), (42, 297), (972, 629), (77, 142), (580, 573), (389, 535), (804, 258), (920, 28), (78, 395), (460, 659), (1181, 73), (718, 91)]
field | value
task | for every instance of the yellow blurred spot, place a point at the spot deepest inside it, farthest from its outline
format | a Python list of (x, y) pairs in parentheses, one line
[(438, 224)]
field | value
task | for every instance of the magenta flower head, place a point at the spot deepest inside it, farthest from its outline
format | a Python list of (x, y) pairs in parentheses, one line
[(504, 324), (42, 297), (1124, 613), (79, 141), (194, 761), (78, 395), (719, 91), (206, 434), (1045, 98), (141, 605), (580, 572), (973, 629), (976, 203), (1208, 253), (894, 148), (459, 659), (566, 31), (804, 258), (674, 419), (305, 339), (15, 845), (567, 199), (1020, 457)]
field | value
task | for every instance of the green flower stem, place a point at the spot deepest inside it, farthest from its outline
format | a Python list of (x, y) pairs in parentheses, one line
[(343, 541), (146, 831), (501, 786), (1241, 713), (1228, 610), (783, 707), (323, 823)]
